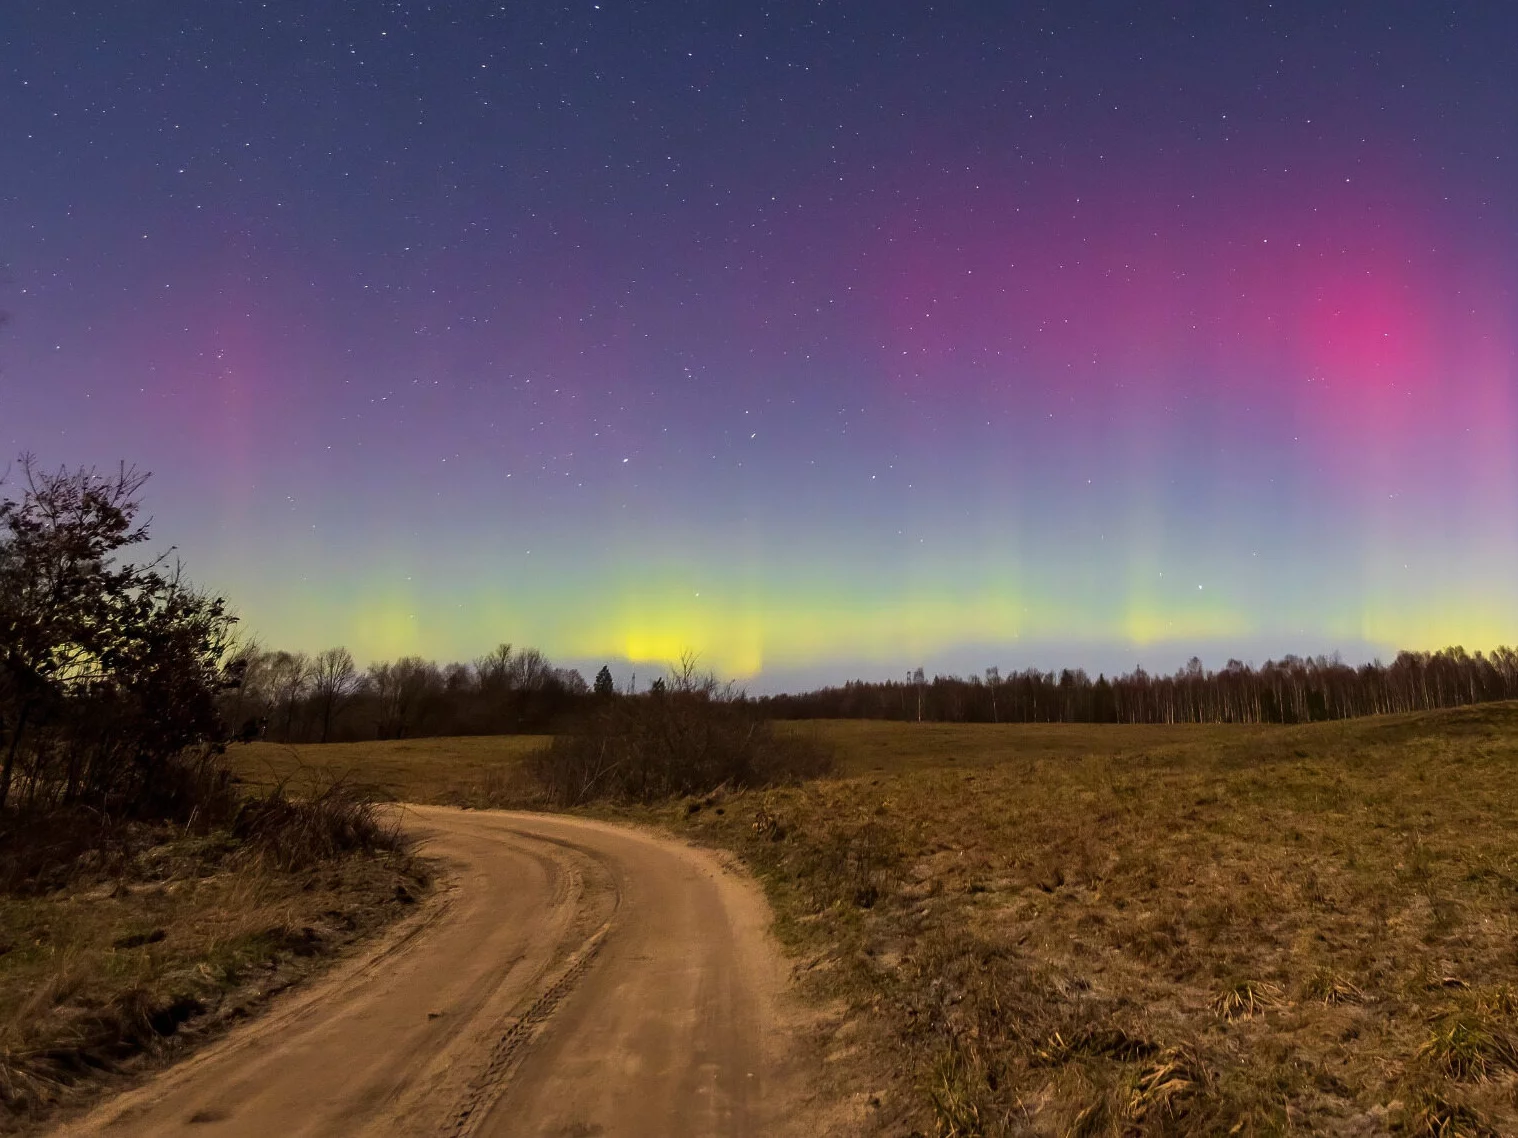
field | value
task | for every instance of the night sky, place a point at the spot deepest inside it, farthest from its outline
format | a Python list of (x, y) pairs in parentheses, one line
[(826, 339)]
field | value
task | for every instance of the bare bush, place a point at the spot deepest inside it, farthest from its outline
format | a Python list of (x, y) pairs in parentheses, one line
[(690, 735), (293, 833)]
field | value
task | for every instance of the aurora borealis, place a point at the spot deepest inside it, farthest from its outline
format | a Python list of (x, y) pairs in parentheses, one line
[(826, 339)]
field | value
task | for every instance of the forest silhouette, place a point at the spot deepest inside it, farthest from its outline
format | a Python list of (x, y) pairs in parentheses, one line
[(292, 697)]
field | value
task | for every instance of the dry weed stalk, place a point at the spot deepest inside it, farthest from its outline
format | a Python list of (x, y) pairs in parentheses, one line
[(1246, 999)]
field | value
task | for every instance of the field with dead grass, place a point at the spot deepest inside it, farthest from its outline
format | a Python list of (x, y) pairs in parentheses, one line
[(461, 771), (124, 948), (1083, 930), (464, 770), (1209, 931)]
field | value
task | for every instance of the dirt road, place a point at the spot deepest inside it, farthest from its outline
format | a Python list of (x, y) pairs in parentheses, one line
[(569, 979)]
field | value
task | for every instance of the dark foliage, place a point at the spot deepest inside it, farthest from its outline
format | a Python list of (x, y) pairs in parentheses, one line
[(294, 698), (109, 670), (290, 697), (40, 852), (604, 684), (688, 737)]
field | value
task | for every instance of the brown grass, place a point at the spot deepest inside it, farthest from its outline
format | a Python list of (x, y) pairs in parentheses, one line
[(1140, 930), (1178, 931), (154, 940), (480, 770), (467, 771)]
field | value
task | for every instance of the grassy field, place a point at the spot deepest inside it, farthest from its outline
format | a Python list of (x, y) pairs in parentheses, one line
[(456, 770), (150, 940), (1113, 930), (472, 770)]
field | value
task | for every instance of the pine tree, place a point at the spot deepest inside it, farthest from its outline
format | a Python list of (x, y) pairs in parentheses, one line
[(604, 684)]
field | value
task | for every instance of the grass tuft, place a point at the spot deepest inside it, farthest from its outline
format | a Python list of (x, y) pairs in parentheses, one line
[(1245, 999), (1429, 1113), (1468, 1047), (291, 833), (1327, 987), (1166, 1086), (955, 1092)]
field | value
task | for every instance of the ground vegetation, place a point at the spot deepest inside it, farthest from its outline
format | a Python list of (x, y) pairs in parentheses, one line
[(688, 735), (1171, 929), (146, 897), (125, 943), (1303, 929)]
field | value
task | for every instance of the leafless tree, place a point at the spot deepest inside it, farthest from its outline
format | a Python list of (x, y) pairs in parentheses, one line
[(334, 678), (289, 681), (402, 691)]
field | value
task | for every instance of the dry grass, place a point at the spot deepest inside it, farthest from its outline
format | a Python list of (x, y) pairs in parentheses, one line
[(466, 771), (157, 939), (479, 770), (1079, 930), (866, 747)]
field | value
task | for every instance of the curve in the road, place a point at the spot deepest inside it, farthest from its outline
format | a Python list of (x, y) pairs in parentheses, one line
[(570, 978)]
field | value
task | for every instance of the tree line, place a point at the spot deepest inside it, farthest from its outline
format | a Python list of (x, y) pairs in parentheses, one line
[(1293, 689), (293, 697), (326, 697)]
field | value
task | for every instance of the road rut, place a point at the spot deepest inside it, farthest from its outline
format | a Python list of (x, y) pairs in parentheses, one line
[(570, 978)]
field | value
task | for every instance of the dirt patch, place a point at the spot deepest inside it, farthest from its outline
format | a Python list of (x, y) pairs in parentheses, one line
[(568, 977)]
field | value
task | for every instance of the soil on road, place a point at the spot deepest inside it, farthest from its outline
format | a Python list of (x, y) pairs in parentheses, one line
[(570, 978)]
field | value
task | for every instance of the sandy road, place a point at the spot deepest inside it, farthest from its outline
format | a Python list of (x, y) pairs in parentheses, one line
[(570, 979)]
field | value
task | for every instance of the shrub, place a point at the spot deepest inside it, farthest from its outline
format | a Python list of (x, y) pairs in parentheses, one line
[(297, 833), (109, 671), (687, 739), (49, 845)]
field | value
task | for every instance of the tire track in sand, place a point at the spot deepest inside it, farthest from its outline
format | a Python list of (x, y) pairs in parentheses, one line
[(570, 977)]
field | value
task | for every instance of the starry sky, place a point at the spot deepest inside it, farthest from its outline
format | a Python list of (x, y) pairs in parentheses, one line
[(825, 338)]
